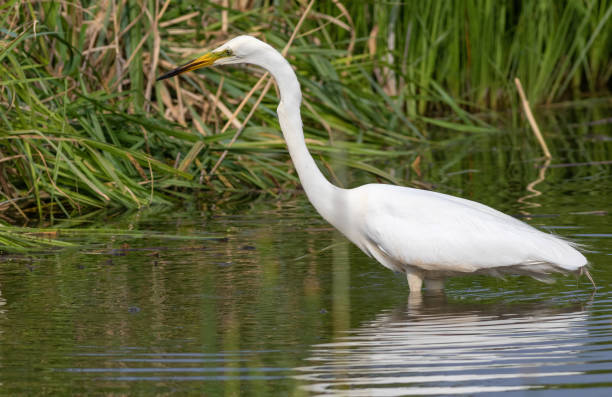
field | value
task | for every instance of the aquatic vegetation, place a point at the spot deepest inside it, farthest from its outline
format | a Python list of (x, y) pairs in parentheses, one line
[(83, 125)]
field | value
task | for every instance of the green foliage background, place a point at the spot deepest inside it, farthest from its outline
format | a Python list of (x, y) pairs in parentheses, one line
[(83, 125)]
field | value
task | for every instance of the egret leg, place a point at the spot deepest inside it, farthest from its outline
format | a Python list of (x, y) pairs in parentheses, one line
[(415, 281), (415, 300), (434, 284)]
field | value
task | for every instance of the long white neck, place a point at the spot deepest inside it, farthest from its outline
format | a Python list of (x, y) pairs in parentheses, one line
[(324, 196)]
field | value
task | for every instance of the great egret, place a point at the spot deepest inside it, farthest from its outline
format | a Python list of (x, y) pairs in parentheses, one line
[(427, 235)]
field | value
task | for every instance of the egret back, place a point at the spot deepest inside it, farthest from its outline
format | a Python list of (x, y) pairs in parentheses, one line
[(440, 233)]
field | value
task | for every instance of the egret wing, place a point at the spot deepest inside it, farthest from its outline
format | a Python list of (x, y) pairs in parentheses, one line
[(437, 232)]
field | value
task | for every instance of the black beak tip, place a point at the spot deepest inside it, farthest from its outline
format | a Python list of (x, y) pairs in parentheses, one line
[(168, 75)]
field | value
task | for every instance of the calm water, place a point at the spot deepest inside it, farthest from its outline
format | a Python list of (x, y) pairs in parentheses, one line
[(262, 297)]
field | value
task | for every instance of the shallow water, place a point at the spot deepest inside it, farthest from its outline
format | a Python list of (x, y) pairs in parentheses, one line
[(262, 297)]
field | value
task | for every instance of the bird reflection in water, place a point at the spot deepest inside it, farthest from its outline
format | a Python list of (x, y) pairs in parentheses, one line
[(434, 345)]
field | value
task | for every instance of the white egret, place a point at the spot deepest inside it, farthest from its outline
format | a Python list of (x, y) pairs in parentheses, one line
[(427, 235)]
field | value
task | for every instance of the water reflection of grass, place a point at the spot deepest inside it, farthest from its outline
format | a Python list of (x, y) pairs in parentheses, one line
[(83, 126), (238, 310)]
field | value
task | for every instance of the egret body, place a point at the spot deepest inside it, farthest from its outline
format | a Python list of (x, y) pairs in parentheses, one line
[(427, 235)]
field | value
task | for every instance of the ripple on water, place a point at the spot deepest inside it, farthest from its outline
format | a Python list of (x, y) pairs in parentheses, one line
[(428, 346), (415, 350), (127, 365)]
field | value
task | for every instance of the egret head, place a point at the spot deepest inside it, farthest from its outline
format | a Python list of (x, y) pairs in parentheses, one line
[(241, 49)]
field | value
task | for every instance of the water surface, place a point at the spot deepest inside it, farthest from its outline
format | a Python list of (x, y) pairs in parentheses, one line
[(262, 297)]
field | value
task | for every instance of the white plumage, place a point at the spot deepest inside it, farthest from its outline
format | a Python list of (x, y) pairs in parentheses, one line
[(444, 235), (425, 234)]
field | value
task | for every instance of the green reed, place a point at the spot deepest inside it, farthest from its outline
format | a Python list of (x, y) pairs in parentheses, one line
[(84, 125)]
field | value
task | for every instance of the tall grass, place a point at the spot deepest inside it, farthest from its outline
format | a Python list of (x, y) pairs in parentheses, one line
[(83, 124), (473, 49)]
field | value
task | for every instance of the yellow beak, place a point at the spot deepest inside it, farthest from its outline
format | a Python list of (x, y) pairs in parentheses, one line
[(203, 61)]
